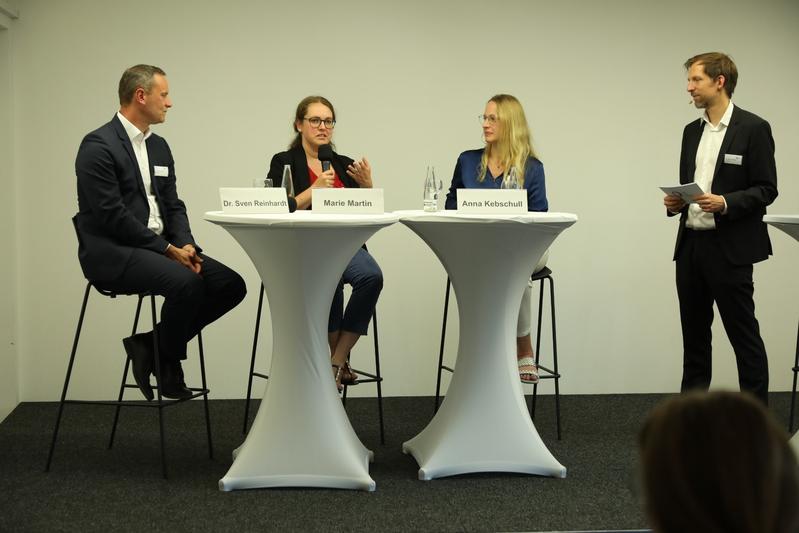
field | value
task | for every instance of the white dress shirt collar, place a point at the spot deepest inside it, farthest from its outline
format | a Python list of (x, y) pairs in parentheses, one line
[(725, 118), (133, 132)]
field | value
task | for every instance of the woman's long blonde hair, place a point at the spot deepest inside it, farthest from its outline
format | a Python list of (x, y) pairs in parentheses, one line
[(514, 146)]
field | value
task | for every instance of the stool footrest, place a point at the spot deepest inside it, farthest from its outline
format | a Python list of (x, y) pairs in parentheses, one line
[(548, 373), (370, 378)]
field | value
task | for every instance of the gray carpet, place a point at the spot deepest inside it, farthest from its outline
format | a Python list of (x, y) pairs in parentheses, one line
[(91, 488)]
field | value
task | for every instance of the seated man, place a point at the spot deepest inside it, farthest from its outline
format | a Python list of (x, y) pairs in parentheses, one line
[(134, 235)]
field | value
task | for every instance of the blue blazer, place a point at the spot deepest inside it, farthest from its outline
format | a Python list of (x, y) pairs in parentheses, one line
[(112, 204), (467, 171)]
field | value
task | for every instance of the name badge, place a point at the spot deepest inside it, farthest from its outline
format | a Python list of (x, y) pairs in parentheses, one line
[(254, 200), (732, 159), (487, 201), (361, 201), (161, 171)]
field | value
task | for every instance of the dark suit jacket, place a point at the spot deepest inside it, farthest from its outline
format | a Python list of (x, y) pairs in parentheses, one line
[(748, 188), (112, 204), (299, 169)]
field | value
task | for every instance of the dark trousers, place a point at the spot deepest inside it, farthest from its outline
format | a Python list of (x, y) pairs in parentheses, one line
[(705, 276), (191, 301), (366, 279)]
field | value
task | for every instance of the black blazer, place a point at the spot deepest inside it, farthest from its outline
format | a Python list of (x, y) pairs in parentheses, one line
[(748, 188), (112, 205), (299, 169)]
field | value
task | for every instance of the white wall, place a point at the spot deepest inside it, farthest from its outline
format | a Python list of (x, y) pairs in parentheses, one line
[(9, 374), (603, 86)]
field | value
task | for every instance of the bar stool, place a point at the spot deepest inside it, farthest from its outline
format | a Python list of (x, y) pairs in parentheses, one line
[(160, 402), (795, 370), (543, 372), (375, 377)]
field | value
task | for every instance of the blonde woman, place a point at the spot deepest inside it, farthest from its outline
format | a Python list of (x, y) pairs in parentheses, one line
[(507, 145)]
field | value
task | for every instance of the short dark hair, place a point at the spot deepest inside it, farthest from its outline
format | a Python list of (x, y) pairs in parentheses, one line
[(717, 462), (135, 77), (717, 64)]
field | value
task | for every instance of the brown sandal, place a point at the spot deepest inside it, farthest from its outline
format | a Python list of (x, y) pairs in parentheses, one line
[(337, 376), (348, 377)]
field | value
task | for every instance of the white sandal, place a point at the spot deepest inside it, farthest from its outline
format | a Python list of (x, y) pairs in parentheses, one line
[(533, 374)]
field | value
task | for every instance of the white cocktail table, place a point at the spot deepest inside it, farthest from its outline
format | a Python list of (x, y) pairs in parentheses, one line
[(787, 223), (301, 436), (483, 424), (790, 225)]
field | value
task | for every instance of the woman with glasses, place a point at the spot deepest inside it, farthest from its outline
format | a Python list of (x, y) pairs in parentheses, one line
[(313, 124), (507, 161)]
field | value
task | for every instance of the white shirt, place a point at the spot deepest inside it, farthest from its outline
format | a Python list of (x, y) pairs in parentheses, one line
[(706, 155), (138, 140)]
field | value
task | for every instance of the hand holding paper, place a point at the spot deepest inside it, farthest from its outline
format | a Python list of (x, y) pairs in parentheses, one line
[(686, 192)]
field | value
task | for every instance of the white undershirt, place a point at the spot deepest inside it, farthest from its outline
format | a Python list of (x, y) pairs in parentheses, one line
[(139, 142), (706, 155)]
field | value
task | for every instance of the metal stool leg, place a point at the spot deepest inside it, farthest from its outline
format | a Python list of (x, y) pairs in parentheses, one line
[(205, 394), (378, 379), (537, 346), (441, 347), (554, 351), (157, 361), (252, 359), (555, 372), (375, 378), (124, 376), (69, 374), (793, 389)]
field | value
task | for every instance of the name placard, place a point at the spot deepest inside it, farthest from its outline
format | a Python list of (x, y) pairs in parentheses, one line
[(347, 201), (485, 201), (253, 200)]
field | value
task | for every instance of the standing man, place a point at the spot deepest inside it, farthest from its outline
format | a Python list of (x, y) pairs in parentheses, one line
[(134, 235), (729, 153)]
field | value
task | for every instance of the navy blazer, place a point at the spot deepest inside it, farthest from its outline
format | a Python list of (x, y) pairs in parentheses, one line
[(295, 157), (467, 172), (112, 204), (747, 188)]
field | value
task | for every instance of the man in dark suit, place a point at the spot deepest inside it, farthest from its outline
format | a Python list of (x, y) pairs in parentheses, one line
[(134, 235), (729, 153)]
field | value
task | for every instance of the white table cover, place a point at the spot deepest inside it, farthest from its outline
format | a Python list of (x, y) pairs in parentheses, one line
[(787, 223), (301, 436), (790, 225), (483, 424)]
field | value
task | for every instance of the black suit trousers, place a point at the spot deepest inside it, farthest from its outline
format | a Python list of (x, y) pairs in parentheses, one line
[(191, 301), (705, 276)]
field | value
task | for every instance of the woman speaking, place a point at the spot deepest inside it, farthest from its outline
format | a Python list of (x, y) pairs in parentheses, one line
[(314, 123)]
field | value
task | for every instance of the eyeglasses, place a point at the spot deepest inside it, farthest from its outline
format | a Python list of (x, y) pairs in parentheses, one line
[(316, 122), (491, 119)]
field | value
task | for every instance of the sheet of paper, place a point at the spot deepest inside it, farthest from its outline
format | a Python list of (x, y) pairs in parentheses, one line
[(686, 192)]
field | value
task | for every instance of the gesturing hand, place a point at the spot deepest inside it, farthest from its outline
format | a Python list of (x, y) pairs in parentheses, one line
[(361, 172)]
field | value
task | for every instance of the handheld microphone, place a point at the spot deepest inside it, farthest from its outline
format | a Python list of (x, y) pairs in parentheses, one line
[(325, 156)]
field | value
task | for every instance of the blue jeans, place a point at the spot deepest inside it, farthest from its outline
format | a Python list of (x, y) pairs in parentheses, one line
[(366, 279)]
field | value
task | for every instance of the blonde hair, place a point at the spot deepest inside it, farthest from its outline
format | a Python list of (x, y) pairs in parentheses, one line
[(514, 146)]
